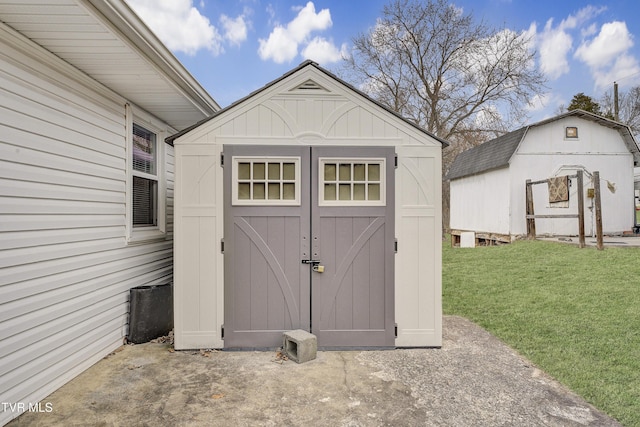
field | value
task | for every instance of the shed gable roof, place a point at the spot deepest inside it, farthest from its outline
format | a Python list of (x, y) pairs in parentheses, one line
[(497, 153), (307, 86)]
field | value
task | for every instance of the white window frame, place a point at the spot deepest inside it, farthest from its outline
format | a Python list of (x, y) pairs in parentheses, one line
[(353, 160), (236, 201), (158, 231)]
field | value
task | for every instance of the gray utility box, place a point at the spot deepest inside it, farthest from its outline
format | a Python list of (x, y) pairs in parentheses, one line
[(150, 312)]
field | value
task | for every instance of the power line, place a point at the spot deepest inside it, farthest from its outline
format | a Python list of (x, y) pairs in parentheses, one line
[(626, 77)]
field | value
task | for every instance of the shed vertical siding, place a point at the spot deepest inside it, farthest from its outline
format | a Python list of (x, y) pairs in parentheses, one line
[(65, 266), (198, 302), (419, 258)]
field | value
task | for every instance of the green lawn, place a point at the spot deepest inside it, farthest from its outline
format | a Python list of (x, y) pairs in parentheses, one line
[(574, 312)]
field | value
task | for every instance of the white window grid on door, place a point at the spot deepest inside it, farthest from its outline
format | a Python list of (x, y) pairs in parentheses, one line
[(265, 181), (351, 181)]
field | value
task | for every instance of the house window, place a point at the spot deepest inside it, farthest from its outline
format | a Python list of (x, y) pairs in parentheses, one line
[(146, 195), (571, 132), (352, 182), (272, 181), (144, 178)]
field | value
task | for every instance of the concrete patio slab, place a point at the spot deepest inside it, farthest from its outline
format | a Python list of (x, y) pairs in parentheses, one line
[(474, 379)]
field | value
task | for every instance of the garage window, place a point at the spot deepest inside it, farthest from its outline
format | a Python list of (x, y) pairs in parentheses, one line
[(271, 181), (352, 182)]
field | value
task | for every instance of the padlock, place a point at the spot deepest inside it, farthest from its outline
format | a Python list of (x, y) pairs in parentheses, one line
[(318, 268)]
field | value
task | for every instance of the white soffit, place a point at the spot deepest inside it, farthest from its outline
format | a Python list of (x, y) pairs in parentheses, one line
[(106, 40)]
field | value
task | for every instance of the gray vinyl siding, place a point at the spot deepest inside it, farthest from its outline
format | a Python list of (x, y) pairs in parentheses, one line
[(65, 265)]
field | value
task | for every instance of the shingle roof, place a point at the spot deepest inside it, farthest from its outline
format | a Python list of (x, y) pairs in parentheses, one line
[(496, 153), (492, 154)]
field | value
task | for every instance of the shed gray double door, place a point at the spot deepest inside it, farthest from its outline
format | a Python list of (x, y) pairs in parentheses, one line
[(309, 244)]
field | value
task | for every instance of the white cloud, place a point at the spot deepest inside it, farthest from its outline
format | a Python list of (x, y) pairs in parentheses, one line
[(284, 41), (607, 54), (589, 31), (624, 66), (613, 40), (553, 45), (323, 51), (179, 25), (235, 30)]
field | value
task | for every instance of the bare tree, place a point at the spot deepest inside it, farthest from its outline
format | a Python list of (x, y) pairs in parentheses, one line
[(435, 65), (453, 76), (629, 107)]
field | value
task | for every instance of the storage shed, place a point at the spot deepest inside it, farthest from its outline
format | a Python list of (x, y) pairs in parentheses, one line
[(307, 205), (488, 182)]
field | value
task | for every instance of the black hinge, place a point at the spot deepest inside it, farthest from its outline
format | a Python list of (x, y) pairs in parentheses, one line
[(396, 161), (221, 159), (395, 246), (222, 331), (222, 245), (395, 330)]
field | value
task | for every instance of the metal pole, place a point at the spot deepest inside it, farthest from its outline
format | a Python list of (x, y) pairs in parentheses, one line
[(616, 109)]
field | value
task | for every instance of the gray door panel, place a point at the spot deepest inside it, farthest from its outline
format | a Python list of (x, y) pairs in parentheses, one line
[(353, 299), (269, 290)]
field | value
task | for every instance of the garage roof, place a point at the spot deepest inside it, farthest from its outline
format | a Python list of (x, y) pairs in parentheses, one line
[(496, 153)]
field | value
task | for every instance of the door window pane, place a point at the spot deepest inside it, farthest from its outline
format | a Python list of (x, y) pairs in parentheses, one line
[(374, 191), (345, 172), (345, 191), (274, 170), (329, 172), (244, 191), (274, 191), (258, 171), (244, 170), (289, 171), (329, 191), (374, 172), (288, 191), (258, 191)]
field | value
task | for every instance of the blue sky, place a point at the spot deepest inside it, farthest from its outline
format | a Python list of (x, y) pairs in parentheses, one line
[(235, 47)]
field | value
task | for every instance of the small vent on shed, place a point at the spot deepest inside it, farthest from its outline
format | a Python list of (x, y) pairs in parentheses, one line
[(309, 85)]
